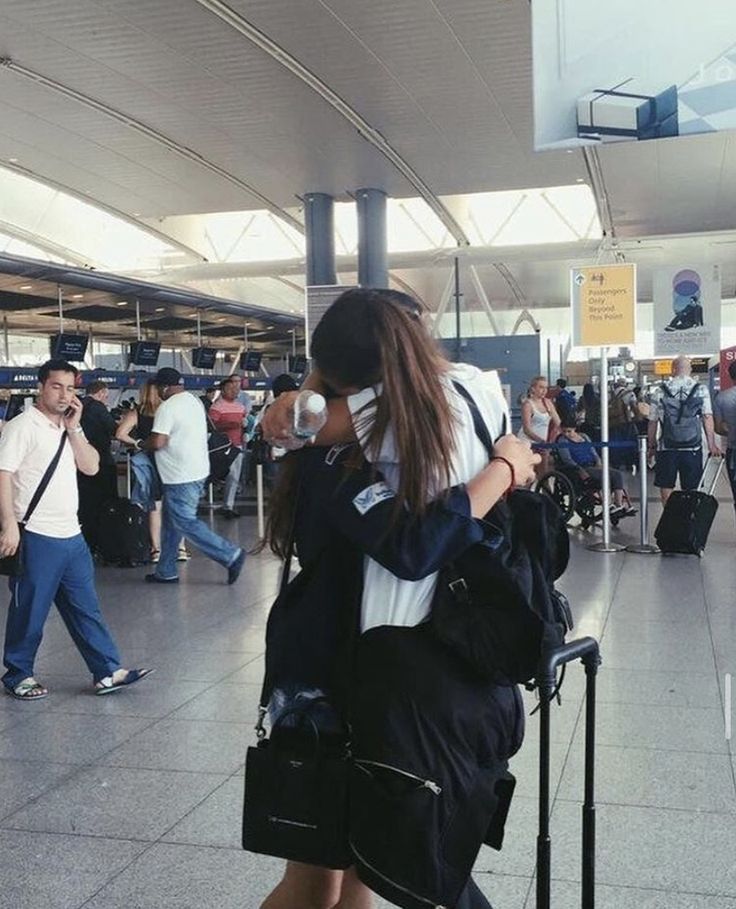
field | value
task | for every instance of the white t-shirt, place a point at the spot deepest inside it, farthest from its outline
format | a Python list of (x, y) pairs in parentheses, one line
[(388, 600), (27, 446), (184, 458)]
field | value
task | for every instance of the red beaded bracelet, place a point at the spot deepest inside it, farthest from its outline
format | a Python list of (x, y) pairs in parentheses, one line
[(510, 467)]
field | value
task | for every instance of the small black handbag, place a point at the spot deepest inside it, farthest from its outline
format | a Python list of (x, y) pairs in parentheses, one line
[(12, 565), (296, 780), (296, 793)]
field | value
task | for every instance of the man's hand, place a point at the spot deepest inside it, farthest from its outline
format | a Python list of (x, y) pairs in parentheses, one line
[(521, 457), (715, 451), (9, 539), (278, 420), (71, 422)]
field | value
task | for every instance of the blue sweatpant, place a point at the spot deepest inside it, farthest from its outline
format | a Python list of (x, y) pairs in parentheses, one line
[(58, 571)]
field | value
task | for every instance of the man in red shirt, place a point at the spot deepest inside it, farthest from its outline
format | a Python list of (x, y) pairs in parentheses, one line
[(228, 415)]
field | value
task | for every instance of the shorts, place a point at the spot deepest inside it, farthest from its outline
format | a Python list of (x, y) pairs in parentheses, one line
[(670, 463)]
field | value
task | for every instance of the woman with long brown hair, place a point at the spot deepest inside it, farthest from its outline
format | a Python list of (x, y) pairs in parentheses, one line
[(393, 391)]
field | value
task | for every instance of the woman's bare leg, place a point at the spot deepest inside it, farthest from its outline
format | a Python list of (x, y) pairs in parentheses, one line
[(306, 887), (354, 893), (154, 526)]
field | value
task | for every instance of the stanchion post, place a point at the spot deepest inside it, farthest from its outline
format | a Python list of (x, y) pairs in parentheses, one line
[(606, 545), (259, 495), (128, 483), (644, 547)]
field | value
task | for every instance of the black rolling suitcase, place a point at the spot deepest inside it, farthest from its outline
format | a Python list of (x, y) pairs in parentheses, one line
[(688, 516), (123, 537), (585, 649)]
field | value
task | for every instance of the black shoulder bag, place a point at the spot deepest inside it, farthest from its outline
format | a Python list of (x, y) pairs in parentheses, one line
[(296, 780), (12, 565)]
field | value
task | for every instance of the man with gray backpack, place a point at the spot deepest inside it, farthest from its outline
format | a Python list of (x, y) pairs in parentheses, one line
[(682, 407)]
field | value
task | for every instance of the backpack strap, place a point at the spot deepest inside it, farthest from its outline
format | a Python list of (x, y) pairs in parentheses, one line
[(685, 401), (479, 424)]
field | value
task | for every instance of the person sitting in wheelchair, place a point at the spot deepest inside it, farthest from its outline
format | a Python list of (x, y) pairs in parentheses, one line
[(576, 452)]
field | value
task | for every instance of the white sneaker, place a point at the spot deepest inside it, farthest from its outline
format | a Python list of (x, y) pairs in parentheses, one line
[(183, 555)]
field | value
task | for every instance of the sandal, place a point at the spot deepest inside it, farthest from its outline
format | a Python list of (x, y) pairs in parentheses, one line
[(107, 686), (182, 554), (28, 690), (155, 555)]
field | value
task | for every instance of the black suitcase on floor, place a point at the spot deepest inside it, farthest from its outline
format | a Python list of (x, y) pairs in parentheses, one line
[(123, 537), (688, 516), (585, 649)]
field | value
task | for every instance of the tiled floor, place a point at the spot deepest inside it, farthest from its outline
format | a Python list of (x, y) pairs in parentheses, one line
[(133, 801)]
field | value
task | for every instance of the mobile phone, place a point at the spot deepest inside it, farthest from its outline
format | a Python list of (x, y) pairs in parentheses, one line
[(69, 412)]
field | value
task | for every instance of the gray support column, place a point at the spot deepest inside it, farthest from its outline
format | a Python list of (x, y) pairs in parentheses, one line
[(319, 225), (372, 243)]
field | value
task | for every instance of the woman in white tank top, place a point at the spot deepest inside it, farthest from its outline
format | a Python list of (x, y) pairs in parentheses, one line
[(540, 421)]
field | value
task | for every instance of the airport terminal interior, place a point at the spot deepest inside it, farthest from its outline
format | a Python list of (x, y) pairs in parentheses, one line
[(188, 186)]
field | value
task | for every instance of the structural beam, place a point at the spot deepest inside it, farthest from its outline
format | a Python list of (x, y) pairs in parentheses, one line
[(150, 133), (372, 241), (365, 130)]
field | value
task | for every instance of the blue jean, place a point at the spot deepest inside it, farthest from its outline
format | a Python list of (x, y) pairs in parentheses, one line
[(147, 487), (179, 520), (60, 571)]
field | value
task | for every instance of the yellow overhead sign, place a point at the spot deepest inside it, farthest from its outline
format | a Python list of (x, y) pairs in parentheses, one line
[(662, 367), (603, 299)]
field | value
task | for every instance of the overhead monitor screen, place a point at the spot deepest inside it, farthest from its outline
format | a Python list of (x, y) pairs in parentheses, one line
[(204, 357), (144, 353), (632, 71), (297, 363), (69, 347), (250, 361)]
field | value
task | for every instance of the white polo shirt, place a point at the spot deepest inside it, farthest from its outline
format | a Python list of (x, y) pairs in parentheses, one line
[(28, 444), (184, 458)]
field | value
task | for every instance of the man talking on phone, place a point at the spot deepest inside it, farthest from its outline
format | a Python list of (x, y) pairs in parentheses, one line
[(57, 565)]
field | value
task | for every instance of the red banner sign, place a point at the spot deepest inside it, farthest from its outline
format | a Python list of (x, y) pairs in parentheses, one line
[(728, 356)]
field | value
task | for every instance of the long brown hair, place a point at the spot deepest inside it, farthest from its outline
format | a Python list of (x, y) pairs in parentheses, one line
[(150, 399), (376, 337)]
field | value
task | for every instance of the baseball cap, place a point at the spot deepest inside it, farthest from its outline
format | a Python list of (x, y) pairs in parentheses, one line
[(168, 376)]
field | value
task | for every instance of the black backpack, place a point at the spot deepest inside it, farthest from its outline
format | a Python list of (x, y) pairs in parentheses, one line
[(496, 605), (681, 421)]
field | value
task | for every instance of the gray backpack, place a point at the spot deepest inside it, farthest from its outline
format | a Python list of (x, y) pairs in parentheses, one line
[(681, 426)]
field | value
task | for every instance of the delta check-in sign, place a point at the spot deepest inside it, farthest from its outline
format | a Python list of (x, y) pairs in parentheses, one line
[(603, 300)]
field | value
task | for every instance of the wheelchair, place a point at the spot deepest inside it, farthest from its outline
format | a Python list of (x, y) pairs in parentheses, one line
[(573, 495)]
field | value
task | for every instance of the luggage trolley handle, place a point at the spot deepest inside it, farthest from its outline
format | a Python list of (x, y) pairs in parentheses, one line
[(585, 649), (704, 486)]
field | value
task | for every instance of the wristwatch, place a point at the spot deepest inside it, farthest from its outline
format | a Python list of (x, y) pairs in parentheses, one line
[(76, 429)]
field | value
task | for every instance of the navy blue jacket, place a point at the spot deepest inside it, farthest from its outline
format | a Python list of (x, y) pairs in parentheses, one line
[(343, 514)]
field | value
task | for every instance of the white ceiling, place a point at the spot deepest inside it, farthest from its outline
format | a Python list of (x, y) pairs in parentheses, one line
[(447, 83)]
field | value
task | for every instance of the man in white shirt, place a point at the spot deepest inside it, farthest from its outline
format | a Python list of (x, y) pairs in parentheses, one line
[(179, 439), (57, 562)]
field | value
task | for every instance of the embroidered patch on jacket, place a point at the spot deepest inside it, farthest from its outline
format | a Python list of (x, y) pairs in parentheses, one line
[(372, 496)]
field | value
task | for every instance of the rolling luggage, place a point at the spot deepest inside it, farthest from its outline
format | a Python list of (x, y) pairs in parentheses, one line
[(586, 650), (123, 537), (688, 516)]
